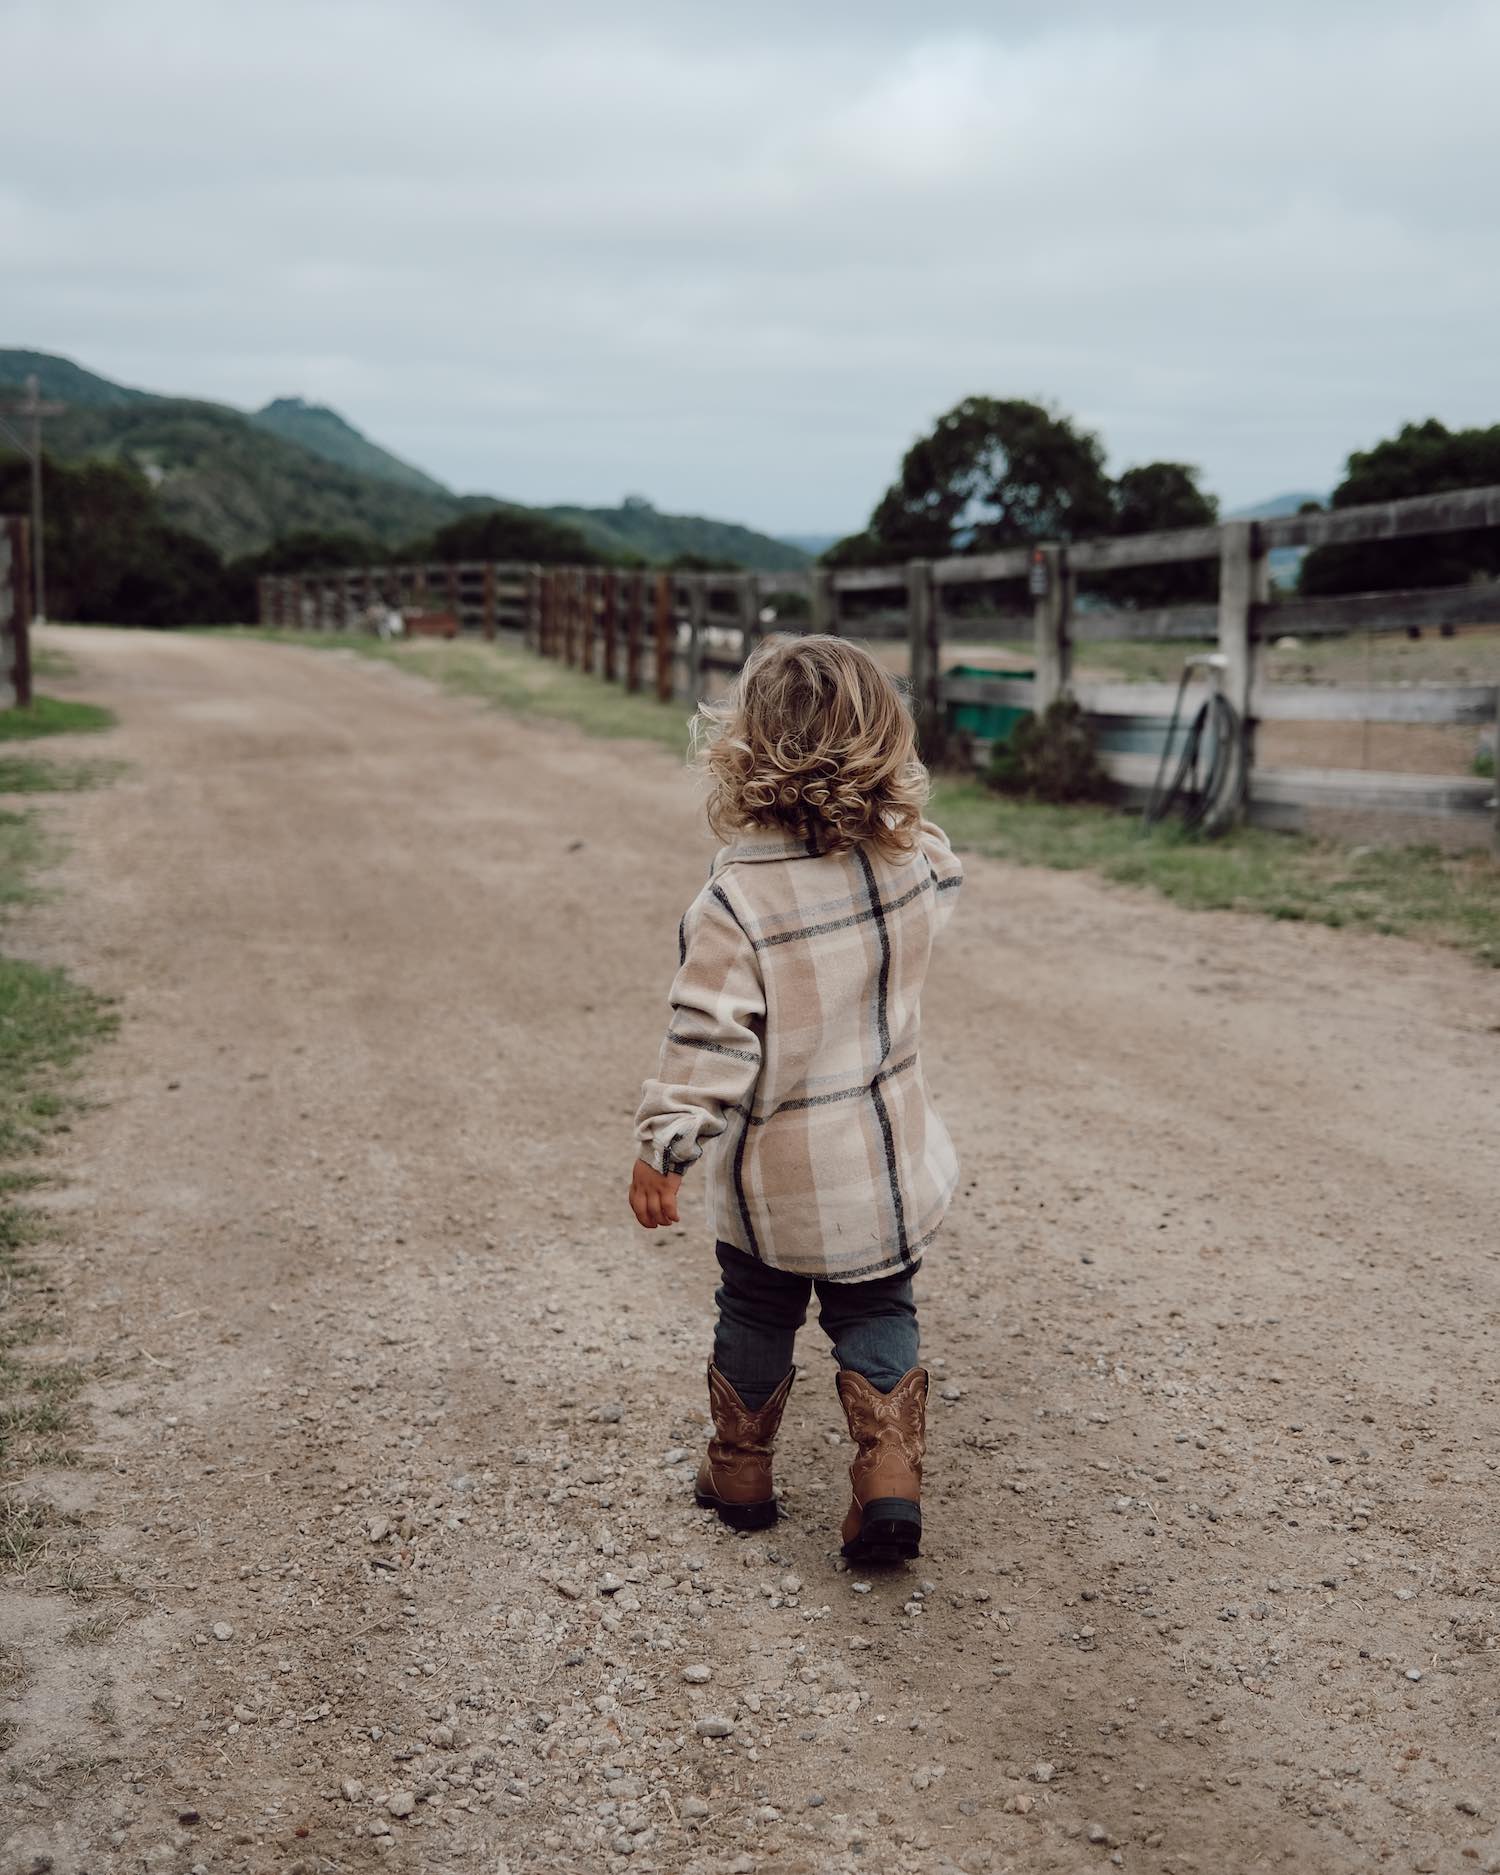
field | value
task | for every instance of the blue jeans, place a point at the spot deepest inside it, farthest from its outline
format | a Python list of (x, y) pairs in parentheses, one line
[(873, 1326)]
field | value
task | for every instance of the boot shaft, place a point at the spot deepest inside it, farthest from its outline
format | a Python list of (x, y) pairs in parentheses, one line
[(890, 1430), (737, 1469)]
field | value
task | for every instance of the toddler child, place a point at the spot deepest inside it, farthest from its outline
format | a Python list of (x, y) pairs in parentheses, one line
[(793, 1054)]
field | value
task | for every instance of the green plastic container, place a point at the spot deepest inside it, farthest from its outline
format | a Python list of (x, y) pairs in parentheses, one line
[(986, 722)]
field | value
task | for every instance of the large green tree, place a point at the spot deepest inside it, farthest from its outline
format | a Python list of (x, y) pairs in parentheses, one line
[(110, 556), (505, 533), (996, 473), (1421, 459), (992, 473), (1156, 498)]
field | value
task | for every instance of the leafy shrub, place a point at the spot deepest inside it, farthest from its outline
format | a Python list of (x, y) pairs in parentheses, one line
[(1050, 757)]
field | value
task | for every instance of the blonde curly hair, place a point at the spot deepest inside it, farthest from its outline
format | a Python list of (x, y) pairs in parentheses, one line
[(815, 740)]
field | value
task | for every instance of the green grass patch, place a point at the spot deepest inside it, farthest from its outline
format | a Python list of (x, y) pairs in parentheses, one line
[(517, 681), (52, 716), (20, 850), (28, 774), (1408, 891), (49, 661), (46, 1022)]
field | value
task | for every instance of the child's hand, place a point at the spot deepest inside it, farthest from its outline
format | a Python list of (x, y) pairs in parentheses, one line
[(653, 1195)]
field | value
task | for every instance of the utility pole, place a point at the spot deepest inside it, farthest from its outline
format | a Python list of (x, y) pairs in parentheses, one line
[(33, 409)]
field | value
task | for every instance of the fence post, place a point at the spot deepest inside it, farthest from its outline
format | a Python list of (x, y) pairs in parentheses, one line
[(572, 647), (666, 634), (1244, 585), (697, 628), (1495, 751), (487, 616), (924, 651), (1051, 592), (15, 605), (531, 608), (634, 606), (822, 601), (748, 592), (611, 620)]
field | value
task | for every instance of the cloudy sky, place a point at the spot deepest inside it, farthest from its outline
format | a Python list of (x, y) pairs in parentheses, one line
[(737, 257)]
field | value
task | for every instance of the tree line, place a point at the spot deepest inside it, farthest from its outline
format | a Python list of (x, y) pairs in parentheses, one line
[(111, 557), (995, 473), (991, 474)]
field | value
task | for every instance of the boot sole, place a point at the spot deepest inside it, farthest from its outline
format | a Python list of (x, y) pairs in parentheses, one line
[(739, 1516), (890, 1531)]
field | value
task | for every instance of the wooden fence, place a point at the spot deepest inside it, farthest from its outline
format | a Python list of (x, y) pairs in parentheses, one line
[(15, 611), (681, 634)]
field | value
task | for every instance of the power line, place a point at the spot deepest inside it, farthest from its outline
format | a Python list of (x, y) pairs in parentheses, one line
[(33, 408)]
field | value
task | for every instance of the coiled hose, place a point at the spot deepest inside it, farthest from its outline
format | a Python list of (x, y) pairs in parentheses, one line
[(1207, 785)]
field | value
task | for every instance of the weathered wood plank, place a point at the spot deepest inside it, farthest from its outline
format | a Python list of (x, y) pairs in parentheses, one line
[(1387, 520), (1384, 611), (1473, 704), (1013, 692), (1457, 795), (1375, 703), (985, 627), (867, 578), (1175, 623), (1121, 550), (923, 659), (664, 632), (969, 569), (1283, 796), (874, 625), (1051, 641)]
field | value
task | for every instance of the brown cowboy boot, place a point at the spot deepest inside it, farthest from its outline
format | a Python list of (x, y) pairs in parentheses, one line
[(735, 1476), (885, 1519)]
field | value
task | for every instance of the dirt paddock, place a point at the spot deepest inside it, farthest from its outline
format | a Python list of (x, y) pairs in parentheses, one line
[(384, 1497)]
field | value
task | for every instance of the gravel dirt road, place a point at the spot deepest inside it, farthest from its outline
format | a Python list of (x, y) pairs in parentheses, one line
[(386, 1478)]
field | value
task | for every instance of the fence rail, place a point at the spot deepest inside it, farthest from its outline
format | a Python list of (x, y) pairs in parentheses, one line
[(678, 633)]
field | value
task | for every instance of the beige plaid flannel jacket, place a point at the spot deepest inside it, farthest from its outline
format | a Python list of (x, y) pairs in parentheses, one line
[(793, 1055)]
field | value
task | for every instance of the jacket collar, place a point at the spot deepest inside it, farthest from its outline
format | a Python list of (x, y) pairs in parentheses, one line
[(757, 846)]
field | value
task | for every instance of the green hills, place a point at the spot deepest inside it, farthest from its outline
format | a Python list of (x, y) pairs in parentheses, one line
[(326, 434), (244, 480)]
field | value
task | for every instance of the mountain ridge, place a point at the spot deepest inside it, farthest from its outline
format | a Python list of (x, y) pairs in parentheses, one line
[(241, 480), (327, 434)]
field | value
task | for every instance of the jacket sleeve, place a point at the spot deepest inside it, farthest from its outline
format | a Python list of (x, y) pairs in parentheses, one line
[(947, 870), (711, 1056)]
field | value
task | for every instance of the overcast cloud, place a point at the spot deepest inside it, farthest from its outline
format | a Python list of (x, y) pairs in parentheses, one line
[(736, 258)]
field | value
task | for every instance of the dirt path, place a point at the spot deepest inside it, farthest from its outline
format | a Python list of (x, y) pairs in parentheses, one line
[(394, 1398)]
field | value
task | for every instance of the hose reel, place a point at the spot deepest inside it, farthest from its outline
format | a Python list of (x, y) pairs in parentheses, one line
[(1207, 786)]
